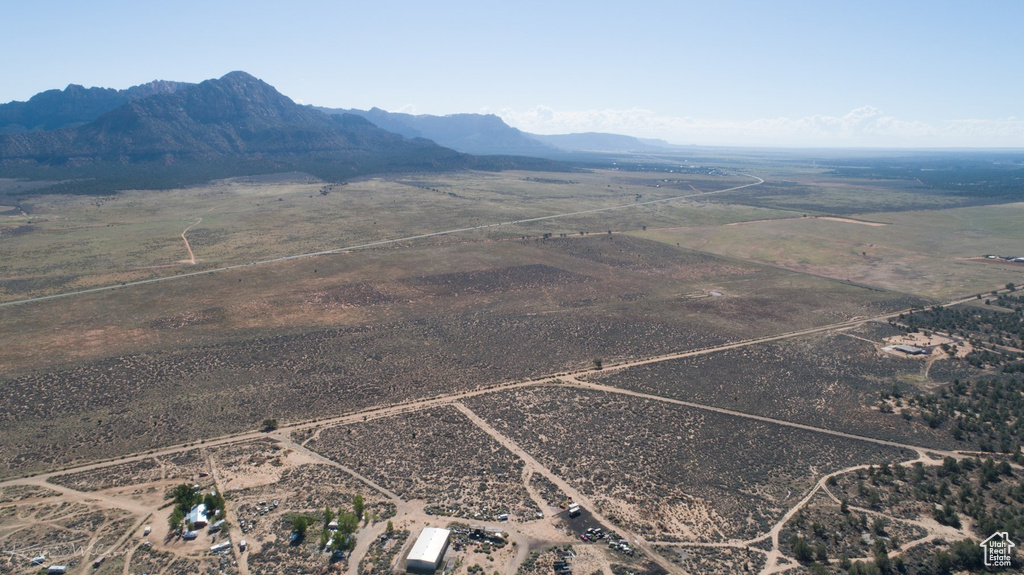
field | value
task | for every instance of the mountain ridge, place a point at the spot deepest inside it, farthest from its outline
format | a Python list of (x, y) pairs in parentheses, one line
[(74, 105), (234, 125), (481, 134), (489, 134)]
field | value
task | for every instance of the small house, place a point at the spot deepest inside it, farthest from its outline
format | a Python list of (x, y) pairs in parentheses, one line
[(910, 349), (197, 516)]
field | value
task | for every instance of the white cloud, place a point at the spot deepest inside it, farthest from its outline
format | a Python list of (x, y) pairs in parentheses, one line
[(864, 126)]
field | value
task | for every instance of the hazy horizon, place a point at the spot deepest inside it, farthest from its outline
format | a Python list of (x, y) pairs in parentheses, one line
[(791, 74)]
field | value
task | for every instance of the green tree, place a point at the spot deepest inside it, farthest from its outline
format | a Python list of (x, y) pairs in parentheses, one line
[(348, 523), (270, 424), (328, 515), (185, 496), (176, 518), (214, 502), (821, 554), (390, 528), (357, 505), (299, 525), (802, 550), (882, 560)]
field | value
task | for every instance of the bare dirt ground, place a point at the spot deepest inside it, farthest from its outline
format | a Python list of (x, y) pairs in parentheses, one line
[(852, 221), (931, 340), (464, 428), (191, 255), (829, 218), (255, 468)]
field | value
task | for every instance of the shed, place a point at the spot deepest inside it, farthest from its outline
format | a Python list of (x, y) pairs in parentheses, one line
[(427, 552)]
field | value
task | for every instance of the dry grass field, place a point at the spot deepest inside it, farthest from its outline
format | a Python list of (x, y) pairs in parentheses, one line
[(73, 242), (451, 378), (216, 354), (931, 252)]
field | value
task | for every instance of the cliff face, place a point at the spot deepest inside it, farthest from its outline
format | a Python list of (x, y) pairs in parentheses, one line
[(73, 106)]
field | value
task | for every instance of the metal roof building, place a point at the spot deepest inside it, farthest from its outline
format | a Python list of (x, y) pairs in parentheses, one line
[(197, 516), (426, 554), (910, 349)]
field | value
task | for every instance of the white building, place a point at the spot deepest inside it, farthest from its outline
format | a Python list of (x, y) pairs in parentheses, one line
[(426, 554), (197, 516)]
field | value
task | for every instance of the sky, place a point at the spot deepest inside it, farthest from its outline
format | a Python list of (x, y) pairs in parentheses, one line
[(914, 73)]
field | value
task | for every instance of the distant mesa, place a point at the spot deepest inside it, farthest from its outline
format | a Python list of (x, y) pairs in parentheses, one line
[(485, 134)]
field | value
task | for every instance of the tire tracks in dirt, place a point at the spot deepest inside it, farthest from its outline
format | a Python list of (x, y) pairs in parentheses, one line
[(566, 488)]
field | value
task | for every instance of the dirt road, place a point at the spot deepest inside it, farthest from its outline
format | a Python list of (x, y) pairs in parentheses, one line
[(568, 489), (191, 256), (371, 244)]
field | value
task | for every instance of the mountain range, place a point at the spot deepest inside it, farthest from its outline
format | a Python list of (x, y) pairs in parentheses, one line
[(484, 134), (73, 106), (164, 134)]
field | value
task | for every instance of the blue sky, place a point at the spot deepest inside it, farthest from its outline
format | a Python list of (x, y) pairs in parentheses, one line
[(912, 73)]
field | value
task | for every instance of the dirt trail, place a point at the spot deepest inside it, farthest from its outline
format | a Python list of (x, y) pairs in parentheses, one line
[(637, 541), (421, 404), (191, 256), (378, 243), (778, 563), (317, 458), (241, 557), (573, 382), (535, 496)]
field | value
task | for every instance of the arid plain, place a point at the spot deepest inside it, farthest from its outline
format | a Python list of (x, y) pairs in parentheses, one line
[(699, 357)]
